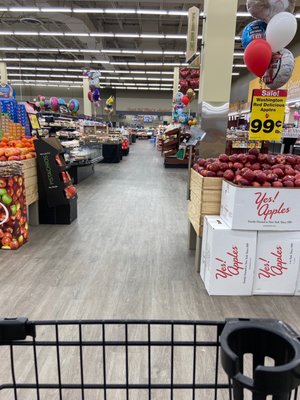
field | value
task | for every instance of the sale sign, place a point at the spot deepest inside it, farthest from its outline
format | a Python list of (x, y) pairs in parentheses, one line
[(267, 114)]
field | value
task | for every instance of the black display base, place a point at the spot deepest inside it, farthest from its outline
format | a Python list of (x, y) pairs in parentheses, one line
[(176, 165), (112, 153), (133, 138), (60, 215), (79, 173), (125, 152)]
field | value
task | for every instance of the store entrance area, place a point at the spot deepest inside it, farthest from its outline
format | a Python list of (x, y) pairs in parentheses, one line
[(126, 256)]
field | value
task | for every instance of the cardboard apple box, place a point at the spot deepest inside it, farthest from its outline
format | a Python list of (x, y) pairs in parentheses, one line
[(227, 259), (277, 263), (251, 208)]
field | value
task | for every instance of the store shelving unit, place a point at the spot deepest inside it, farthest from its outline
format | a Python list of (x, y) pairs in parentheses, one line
[(170, 146)]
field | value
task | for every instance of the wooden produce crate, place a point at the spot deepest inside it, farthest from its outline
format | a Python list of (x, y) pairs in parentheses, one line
[(205, 199), (31, 183)]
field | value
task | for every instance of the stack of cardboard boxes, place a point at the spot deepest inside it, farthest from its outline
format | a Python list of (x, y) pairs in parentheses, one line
[(253, 247)]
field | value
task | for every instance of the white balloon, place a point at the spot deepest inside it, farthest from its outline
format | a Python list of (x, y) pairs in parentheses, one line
[(281, 30), (266, 9), (280, 70)]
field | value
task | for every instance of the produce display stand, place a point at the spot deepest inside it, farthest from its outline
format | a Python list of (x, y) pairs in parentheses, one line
[(112, 152), (205, 199), (54, 205)]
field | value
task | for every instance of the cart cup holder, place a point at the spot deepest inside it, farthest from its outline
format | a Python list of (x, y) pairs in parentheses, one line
[(261, 340)]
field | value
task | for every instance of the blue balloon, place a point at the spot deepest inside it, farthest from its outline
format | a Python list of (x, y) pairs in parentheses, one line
[(254, 30), (62, 102), (180, 111)]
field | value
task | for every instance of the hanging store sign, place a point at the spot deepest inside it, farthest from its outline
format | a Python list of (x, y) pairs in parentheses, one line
[(267, 114), (192, 36)]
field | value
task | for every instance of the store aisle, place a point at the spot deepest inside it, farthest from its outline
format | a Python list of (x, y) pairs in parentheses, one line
[(125, 257)]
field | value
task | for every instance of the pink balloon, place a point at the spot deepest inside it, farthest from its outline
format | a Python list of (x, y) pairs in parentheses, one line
[(296, 116)]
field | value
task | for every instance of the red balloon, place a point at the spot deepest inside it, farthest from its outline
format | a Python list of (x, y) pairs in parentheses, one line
[(185, 100), (90, 96), (257, 57)]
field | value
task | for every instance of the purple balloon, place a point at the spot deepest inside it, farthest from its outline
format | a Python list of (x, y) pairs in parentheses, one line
[(96, 95)]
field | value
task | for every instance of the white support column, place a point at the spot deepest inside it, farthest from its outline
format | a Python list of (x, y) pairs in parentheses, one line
[(87, 105), (215, 73), (175, 80), (3, 72)]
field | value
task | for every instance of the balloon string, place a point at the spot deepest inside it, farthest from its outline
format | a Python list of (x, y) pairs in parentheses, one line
[(261, 83)]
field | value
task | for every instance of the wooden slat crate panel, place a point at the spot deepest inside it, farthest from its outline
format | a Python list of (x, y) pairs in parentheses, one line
[(29, 163), (205, 183), (196, 220), (30, 180), (211, 204)]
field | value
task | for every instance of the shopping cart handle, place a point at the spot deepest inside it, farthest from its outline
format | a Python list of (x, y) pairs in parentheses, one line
[(15, 329)]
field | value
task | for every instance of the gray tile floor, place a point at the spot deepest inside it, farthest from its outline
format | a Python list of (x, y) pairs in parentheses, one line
[(125, 257)]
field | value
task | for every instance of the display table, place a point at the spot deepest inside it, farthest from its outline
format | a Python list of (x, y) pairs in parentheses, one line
[(112, 153), (82, 170)]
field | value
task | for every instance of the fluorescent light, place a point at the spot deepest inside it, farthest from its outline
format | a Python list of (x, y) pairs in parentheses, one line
[(88, 10), (141, 79), (81, 61), (175, 36), (8, 33), (167, 79), (127, 78), (164, 73), (120, 10), (152, 52), (28, 49), (69, 50), (118, 63), (29, 59), (238, 54), (152, 12), (127, 35), (89, 51), (156, 72), (3, 9), (76, 34), (240, 66), (237, 38), (52, 34), (178, 12), (49, 50), (174, 52), (154, 63), (132, 52), (95, 34), (243, 14), (56, 9), (24, 9), (26, 33), (100, 62), (235, 73), (137, 72), (136, 63), (152, 36), (111, 51), (8, 48)]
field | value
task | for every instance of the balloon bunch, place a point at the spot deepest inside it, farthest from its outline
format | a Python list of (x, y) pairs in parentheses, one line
[(264, 40), (108, 109), (192, 121), (94, 82), (40, 103), (55, 104), (181, 101), (189, 79)]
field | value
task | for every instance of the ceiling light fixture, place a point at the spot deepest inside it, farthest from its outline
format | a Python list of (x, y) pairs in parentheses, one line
[(56, 9)]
